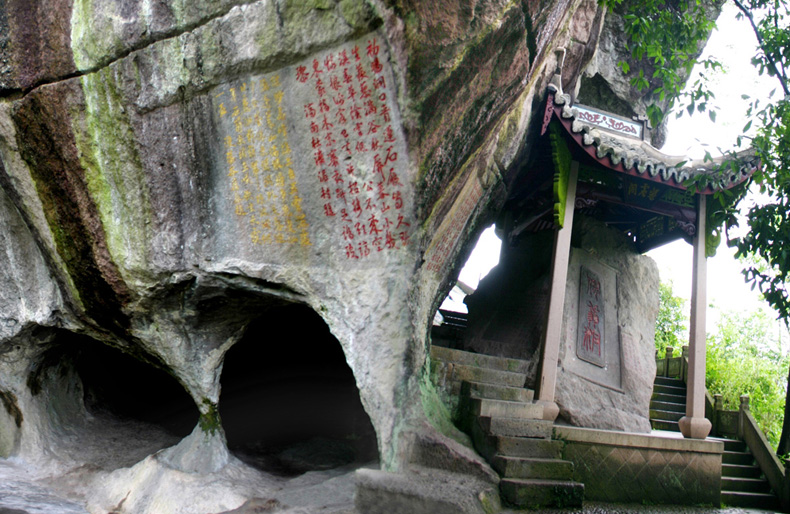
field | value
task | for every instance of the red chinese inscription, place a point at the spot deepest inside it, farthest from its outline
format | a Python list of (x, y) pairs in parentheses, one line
[(590, 342), (354, 149)]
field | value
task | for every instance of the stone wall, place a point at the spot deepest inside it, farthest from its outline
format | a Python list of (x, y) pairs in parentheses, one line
[(635, 468)]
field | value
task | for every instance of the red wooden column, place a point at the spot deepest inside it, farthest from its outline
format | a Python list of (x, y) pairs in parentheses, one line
[(694, 425), (559, 276)]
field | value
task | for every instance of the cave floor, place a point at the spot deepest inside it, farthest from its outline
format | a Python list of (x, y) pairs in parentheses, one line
[(104, 450), (327, 492), (107, 444)]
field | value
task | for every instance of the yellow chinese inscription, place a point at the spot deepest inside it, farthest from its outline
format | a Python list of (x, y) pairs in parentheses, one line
[(257, 162)]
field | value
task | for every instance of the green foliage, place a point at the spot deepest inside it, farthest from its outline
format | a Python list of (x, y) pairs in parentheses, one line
[(768, 238), (665, 37), (744, 357), (671, 322)]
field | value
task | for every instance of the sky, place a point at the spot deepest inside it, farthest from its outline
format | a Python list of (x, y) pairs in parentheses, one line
[(734, 44)]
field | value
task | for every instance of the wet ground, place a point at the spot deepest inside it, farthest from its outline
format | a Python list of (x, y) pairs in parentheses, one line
[(613, 508)]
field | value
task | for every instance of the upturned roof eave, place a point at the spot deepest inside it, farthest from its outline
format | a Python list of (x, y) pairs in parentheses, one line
[(638, 158)]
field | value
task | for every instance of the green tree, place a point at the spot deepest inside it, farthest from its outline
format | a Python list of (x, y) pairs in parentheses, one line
[(671, 322), (662, 33), (744, 357), (665, 38), (769, 224)]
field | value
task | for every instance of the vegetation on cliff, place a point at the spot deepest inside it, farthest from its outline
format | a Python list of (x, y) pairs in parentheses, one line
[(662, 33)]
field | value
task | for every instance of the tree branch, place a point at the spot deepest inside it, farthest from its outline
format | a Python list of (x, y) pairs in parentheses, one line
[(780, 76)]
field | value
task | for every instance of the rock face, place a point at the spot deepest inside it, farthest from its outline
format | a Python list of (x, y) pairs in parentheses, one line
[(613, 392), (607, 356), (603, 84), (172, 171)]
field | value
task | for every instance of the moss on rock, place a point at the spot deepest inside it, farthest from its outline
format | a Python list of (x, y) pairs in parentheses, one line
[(114, 173), (210, 421)]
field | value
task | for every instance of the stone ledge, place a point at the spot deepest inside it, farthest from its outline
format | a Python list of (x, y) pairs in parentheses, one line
[(632, 440)]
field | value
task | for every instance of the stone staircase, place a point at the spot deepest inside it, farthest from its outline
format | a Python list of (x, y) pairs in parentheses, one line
[(507, 427), (668, 403), (742, 481)]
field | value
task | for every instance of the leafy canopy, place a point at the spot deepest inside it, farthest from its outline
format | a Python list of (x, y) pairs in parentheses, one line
[(768, 238), (665, 38), (665, 34), (745, 357)]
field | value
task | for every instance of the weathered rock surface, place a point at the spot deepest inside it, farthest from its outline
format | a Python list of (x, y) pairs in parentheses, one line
[(617, 395), (172, 170), (507, 317)]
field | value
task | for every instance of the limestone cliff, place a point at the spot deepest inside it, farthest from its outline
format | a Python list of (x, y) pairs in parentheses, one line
[(173, 170)]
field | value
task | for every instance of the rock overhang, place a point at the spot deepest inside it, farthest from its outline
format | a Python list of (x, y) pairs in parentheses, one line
[(150, 180)]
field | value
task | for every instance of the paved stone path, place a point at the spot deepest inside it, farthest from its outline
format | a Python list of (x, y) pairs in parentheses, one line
[(611, 508)]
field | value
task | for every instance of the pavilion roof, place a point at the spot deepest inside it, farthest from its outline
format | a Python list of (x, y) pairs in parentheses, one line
[(618, 143)]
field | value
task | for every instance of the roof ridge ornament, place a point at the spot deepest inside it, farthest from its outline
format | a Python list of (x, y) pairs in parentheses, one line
[(556, 80)]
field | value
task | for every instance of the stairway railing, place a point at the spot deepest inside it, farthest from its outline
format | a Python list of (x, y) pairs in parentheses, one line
[(773, 469), (735, 424)]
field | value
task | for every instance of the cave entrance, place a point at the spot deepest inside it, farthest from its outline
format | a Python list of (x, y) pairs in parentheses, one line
[(121, 409), (289, 401)]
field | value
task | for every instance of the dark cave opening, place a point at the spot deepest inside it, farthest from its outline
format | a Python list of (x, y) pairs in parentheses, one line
[(114, 385), (131, 389), (289, 402)]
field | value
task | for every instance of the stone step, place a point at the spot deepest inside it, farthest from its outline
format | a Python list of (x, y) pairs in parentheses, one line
[(671, 398), (661, 424), (740, 470), (664, 389), (523, 467), (478, 360), (731, 445), (668, 406), (747, 499), (497, 392), (455, 374), (751, 485), (504, 409), (675, 382), (744, 458), (537, 493), (528, 447), (665, 415), (489, 445), (422, 491), (536, 428)]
